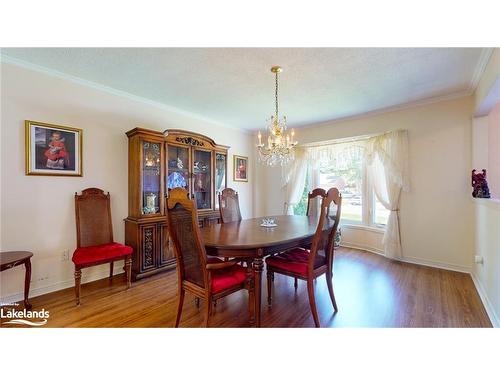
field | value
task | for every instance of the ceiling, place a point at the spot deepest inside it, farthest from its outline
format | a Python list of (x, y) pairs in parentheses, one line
[(235, 86)]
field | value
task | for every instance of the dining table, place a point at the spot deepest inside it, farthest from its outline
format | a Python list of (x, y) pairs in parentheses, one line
[(248, 240)]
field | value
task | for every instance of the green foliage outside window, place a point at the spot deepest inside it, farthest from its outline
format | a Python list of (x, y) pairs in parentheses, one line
[(301, 207)]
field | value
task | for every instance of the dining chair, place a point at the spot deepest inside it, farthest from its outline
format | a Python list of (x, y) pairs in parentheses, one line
[(207, 278), (94, 236), (308, 264), (312, 205), (312, 198), (229, 206)]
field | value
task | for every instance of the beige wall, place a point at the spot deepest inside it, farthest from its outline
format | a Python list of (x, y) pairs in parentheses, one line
[(37, 213), (493, 172), (437, 215), (487, 245)]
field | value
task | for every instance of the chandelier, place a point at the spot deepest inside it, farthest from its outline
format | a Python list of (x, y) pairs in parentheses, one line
[(279, 148)]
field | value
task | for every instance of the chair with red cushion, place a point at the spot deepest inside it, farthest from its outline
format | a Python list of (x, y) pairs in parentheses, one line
[(207, 278), (94, 236), (312, 206), (308, 264)]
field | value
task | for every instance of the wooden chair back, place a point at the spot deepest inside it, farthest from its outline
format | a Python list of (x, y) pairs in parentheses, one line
[(317, 193), (229, 206), (183, 228), (93, 218), (324, 237)]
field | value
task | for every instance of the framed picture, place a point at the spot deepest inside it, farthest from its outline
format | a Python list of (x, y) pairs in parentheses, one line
[(53, 150), (240, 168)]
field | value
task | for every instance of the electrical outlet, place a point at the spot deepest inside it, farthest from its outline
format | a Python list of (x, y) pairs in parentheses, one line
[(65, 256)]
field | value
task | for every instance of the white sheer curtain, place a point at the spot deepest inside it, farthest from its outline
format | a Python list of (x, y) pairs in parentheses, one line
[(386, 160), (294, 180), (387, 166)]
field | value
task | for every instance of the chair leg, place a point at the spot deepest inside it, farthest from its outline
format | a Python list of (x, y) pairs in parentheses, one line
[(295, 284), (312, 302), (78, 278), (270, 277), (180, 302), (251, 293), (208, 311), (128, 271), (111, 270), (330, 290)]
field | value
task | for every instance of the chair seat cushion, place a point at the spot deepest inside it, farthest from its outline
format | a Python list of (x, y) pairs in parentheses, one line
[(227, 277), (294, 261), (101, 253)]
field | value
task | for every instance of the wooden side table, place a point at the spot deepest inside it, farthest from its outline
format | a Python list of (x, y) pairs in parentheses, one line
[(10, 259)]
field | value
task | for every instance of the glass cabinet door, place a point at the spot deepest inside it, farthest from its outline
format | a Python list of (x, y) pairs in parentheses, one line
[(151, 162), (220, 176), (202, 178), (178, 167)]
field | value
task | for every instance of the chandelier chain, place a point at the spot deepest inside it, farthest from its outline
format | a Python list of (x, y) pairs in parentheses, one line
[(276, 96), (280, 145)]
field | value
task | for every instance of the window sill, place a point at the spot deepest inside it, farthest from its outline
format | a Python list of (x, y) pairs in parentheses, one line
[(362, 227), (492, 202)]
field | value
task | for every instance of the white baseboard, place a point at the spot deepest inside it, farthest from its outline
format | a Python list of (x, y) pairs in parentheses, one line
[(412, 260), (35, 292), (362, 247), (486, 301), (431, 263)]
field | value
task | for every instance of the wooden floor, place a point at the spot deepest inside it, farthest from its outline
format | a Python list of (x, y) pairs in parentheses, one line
[(371, 291)]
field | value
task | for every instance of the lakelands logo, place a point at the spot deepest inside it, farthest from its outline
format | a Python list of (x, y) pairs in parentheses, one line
[(37, 318)]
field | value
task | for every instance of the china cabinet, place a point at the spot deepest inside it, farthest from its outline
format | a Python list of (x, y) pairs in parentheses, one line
[(159, 162)]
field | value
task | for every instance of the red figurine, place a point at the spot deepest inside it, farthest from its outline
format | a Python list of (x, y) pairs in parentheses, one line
[(480, 185)]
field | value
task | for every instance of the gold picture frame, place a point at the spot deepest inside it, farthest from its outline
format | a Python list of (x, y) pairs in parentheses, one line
[(240, 168), (53, 150)]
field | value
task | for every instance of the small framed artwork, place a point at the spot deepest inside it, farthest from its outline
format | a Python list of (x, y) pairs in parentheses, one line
[(240, 168), (52, 150)]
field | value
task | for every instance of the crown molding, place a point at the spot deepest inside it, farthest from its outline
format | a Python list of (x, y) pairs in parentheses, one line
[(395, 108), (109, 90), (484, 58)]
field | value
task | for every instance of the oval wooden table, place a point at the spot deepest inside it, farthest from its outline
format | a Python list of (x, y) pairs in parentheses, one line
[(246, 239), (10, 259)]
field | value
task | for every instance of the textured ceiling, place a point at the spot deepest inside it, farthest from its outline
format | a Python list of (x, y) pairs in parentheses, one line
[(234, 85)]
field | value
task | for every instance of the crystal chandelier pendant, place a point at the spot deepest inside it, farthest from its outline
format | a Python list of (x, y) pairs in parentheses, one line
[(278, 148)]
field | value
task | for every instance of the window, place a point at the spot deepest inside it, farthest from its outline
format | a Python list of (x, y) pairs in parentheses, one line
[(380, 213), (345, 170), (346, 173)]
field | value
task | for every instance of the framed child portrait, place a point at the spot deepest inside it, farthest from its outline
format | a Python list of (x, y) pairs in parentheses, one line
[(53, 150), (240, 168)]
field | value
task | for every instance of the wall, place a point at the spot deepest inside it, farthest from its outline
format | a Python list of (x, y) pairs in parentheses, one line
[(487, 245), (436, 216), (37, 213), (480, 155), (486, 275), (493, 172)]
